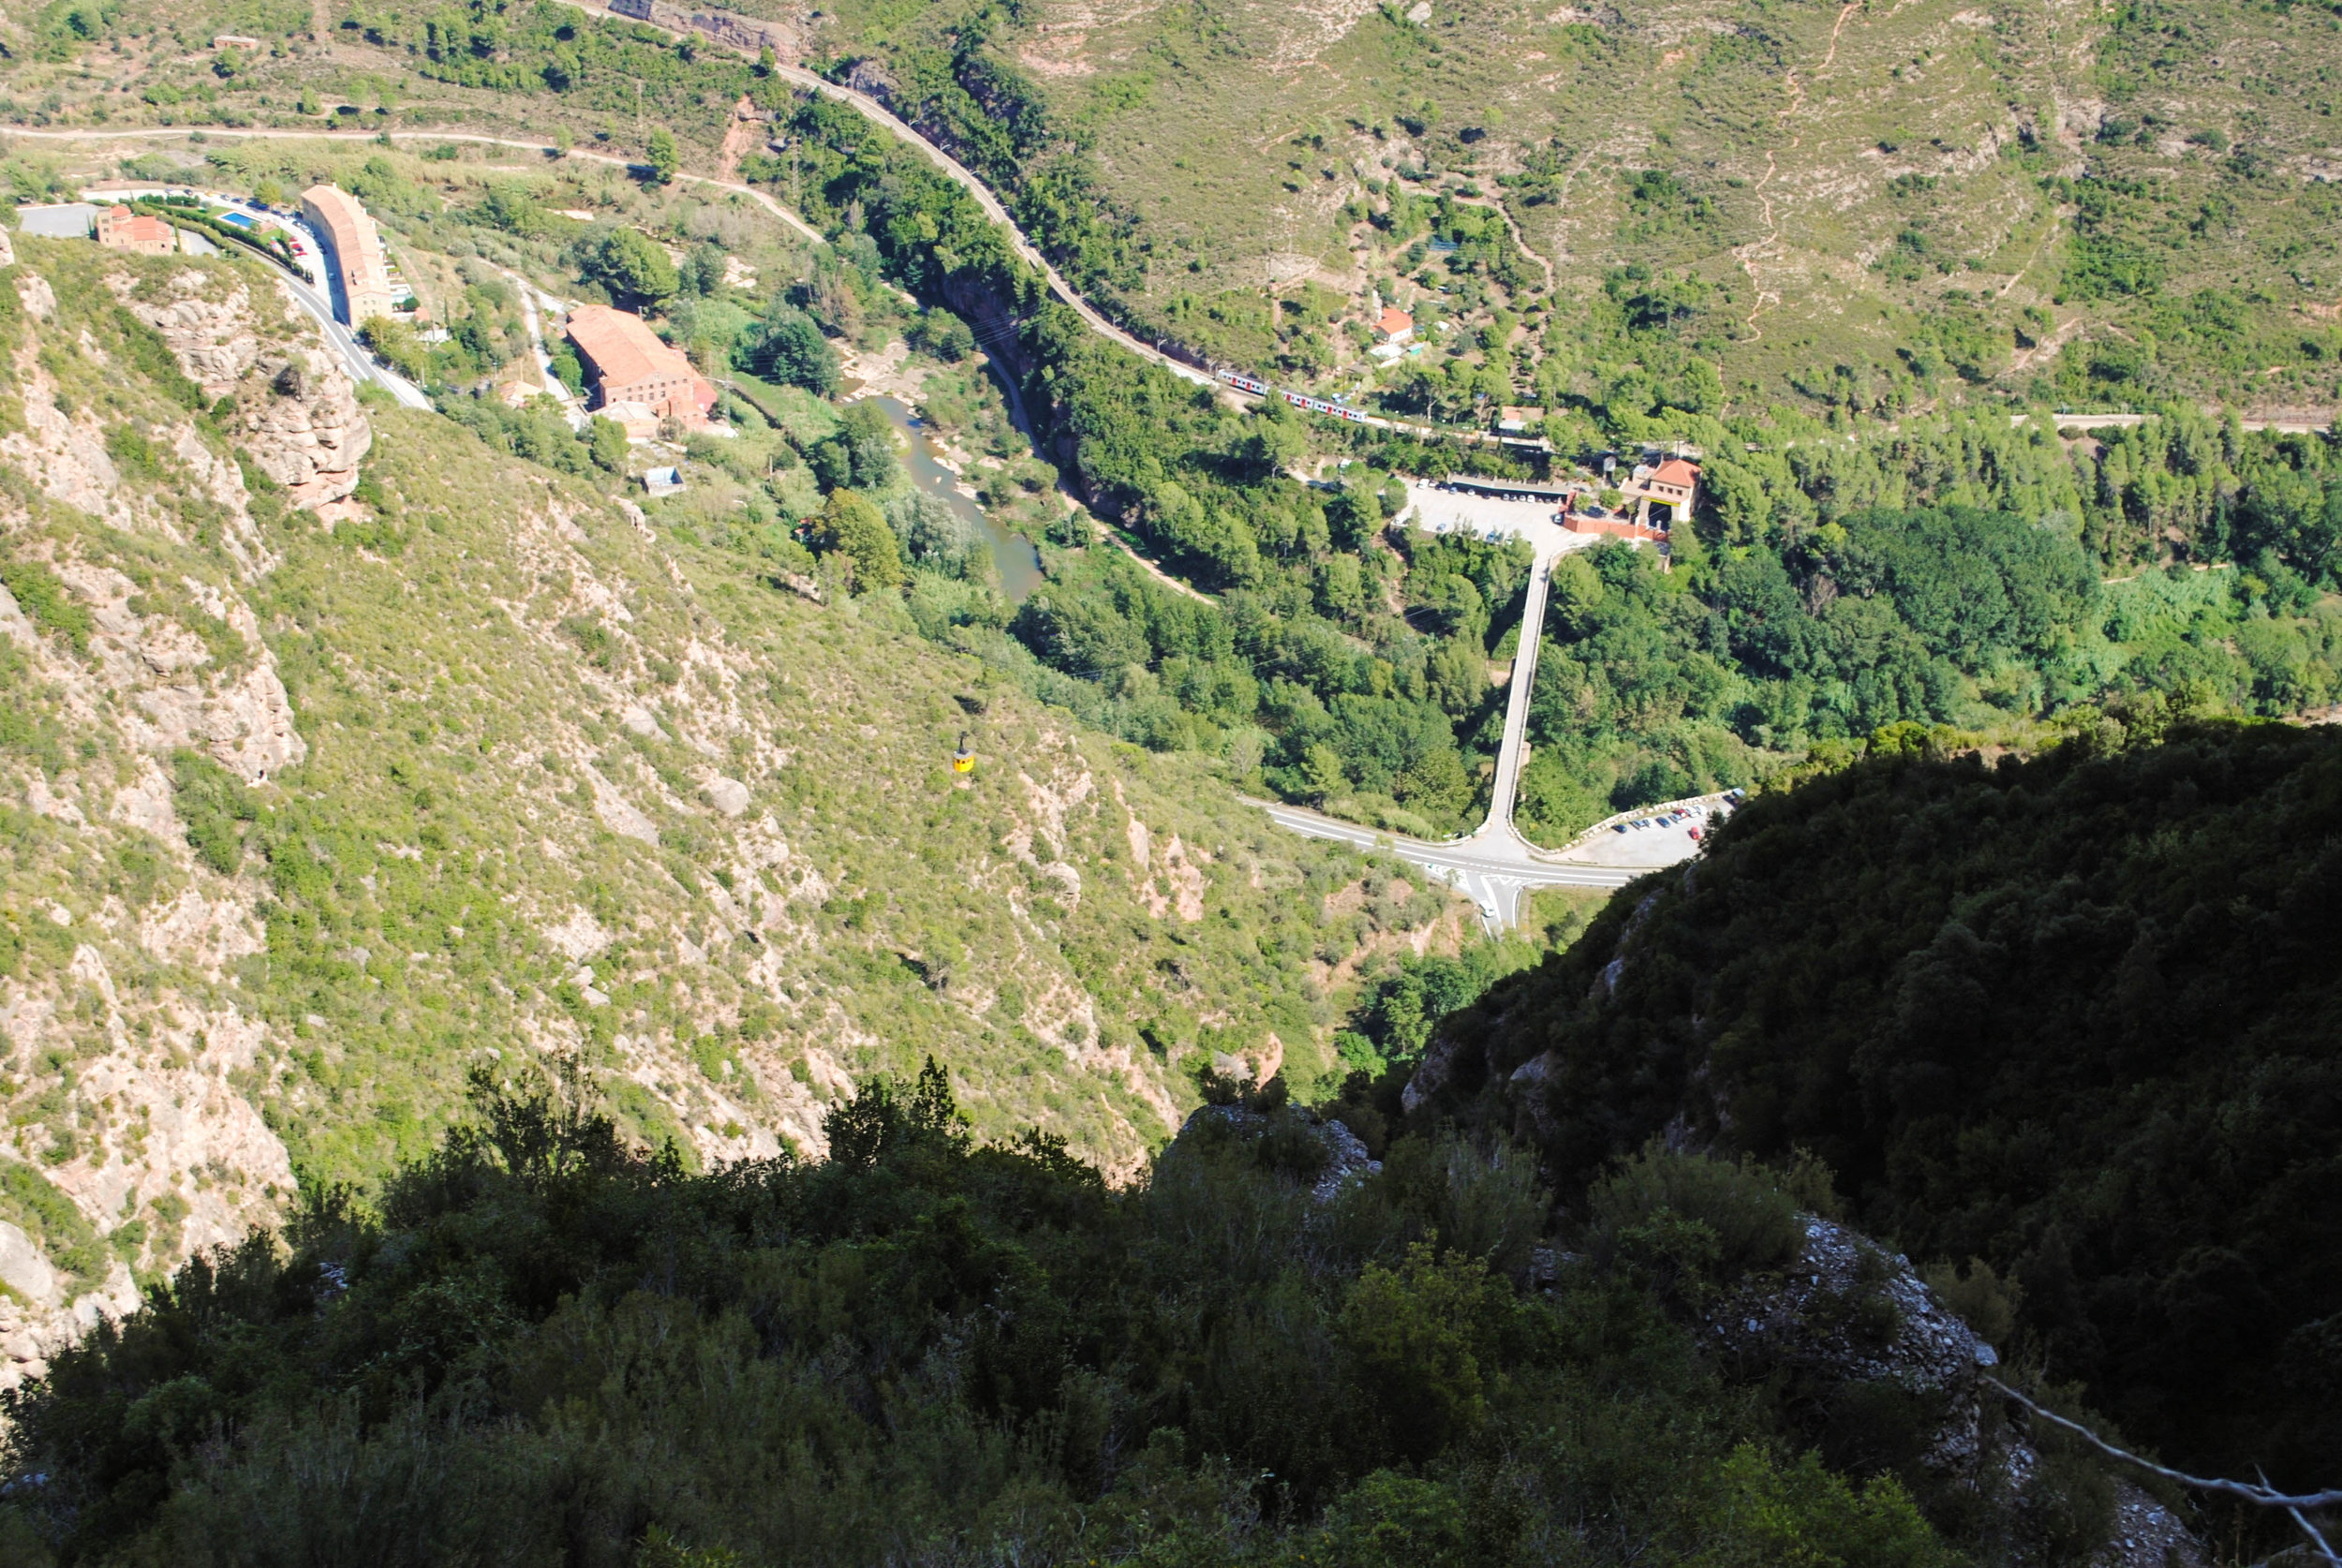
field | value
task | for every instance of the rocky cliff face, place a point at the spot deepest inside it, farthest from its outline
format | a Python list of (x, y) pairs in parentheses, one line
[(148, 1132), (297, 416), (509, 771), (132, 1137), (1857, 1336)]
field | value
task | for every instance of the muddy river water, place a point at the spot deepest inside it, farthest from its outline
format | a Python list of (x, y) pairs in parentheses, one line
[(1012, 554)]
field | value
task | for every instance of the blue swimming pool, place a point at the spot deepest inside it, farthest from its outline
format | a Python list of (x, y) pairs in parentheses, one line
[(237, 218)]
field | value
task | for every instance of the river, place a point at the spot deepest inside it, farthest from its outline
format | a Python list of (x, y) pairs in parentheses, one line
[(1012, 554)]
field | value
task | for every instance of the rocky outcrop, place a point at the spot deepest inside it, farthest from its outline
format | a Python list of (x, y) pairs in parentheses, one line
[(1851, 1327), (212, 338), (1322, 1150), (40, 300), (303, 427), (36, 1319), (1847, 1313), (247, 726), (173, 692), (297, 416)]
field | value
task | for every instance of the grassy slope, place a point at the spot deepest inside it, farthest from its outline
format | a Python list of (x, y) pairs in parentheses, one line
[(1877, 190), (493, 670), (1237, 134)]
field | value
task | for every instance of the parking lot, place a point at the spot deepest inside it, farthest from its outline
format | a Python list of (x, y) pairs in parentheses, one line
[(1654, 836), (1446, 511), (64, 220)]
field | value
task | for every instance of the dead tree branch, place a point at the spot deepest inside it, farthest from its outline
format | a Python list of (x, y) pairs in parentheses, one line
[(2263, 1495)]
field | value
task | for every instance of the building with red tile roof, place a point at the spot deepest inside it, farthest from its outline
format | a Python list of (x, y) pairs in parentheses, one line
[(353, 250), (630, 364), (1674, 481), (1394, 325), (120, 228)]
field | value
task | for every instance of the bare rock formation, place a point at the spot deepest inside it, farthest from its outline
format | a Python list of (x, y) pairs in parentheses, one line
[(1849, 1327), (298, 418), (305, 429)]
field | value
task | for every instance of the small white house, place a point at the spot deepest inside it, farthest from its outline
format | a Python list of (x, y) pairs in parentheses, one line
[(663, 481)]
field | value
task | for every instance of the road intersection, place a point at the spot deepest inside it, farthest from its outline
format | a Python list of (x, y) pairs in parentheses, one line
[(1494, 866)]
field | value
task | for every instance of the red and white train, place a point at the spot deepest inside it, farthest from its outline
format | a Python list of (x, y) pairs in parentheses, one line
[(1314, 404)]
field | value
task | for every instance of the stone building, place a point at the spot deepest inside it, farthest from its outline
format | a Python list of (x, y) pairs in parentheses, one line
[(630, 365)]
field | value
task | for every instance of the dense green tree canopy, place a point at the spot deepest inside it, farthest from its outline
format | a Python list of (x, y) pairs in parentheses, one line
[(2076, 1017), (854, 529), (630, 265), (543, 1345), (787, 347)]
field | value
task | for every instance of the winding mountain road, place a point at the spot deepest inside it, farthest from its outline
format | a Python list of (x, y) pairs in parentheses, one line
[(1493, 865), (878, 114), (870, 108)]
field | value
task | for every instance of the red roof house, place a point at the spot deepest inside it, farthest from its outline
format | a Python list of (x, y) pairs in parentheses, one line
[(120, 228), (1676, 475), (630, 364)]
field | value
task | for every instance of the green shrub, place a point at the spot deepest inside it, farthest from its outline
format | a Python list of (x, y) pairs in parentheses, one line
[(1983, 1299), (1417, 1336), (2069, 1497), (1899, 964), (215, 804), (36, 1206), (1799, 1512), (154, 359), (1391, 1520), (132, 452), (42, 595), (1752, 1222)]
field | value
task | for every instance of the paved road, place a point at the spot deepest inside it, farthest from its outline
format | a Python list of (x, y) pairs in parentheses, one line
[(2295, 425), (362, 368), (361, 365), (1491, 872), (1493, 865), (1506, 787), (532, 299)]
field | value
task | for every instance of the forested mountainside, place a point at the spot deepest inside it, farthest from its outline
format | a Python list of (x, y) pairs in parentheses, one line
[(542, 1345), (2071, 1021)]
